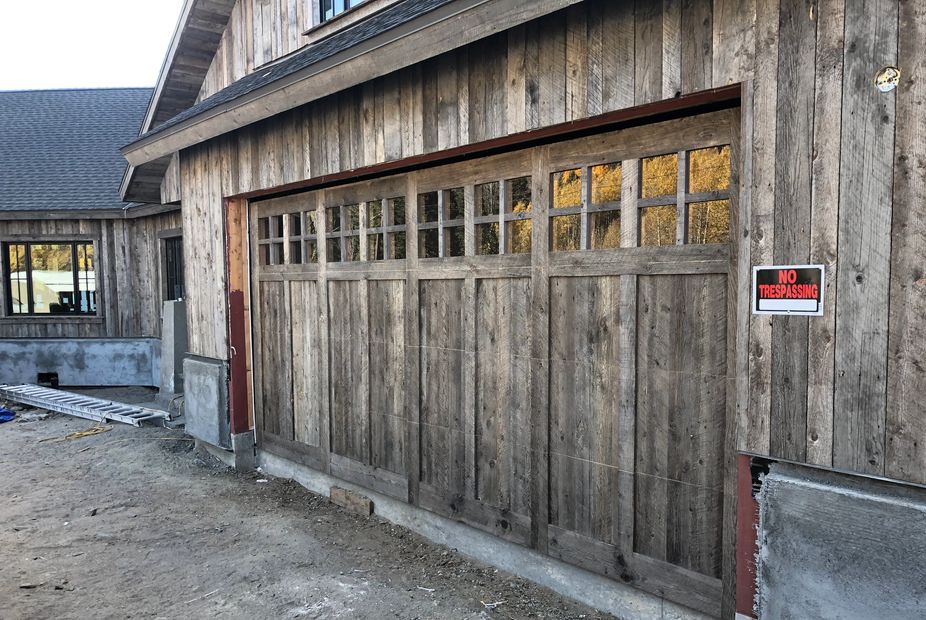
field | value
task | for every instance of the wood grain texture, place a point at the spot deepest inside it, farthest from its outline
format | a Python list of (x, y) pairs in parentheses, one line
[(824, 228), (762, 219), (584, 395), (681, 408), (905, 456), (792, 219), (441, 349), (738, 40), (502, 398), (648, 52), (348, 341), (307, 384), (696, 45), (387, 374), (866, 178), (275, 359)]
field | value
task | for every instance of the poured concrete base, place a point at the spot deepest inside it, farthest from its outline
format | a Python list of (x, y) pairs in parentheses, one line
[(839, 546), (610, 596), (82, 361), (205, 400)]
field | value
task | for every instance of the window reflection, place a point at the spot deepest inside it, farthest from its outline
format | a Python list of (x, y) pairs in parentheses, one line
[(660, 176)]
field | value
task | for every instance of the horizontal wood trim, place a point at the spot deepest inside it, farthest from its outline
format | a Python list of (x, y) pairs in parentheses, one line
[(292, 450), (90, 214), (672, 582), (58, 318), (505, 524), (668, 109), (373, 478)]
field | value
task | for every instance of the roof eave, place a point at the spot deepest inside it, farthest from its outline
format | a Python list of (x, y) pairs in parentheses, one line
[(442, 30)]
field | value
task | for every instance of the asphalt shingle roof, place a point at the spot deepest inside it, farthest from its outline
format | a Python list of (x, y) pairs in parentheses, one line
[(363, 31), (59, 149)]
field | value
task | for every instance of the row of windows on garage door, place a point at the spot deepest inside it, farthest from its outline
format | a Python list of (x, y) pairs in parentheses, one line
[(683, 198)]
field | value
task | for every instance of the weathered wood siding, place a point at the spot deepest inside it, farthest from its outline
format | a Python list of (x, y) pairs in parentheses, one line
[(513, 82), (828, 169), (431, 396), (258, 32), (128, 268)]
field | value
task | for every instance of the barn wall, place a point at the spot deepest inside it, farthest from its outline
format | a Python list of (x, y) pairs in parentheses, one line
[(832, 172), (128, 272), (584, 61), (819, 150)]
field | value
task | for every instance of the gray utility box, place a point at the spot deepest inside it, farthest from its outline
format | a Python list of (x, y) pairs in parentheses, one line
[(205, 400)]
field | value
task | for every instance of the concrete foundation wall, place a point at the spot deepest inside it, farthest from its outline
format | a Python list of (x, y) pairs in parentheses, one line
[(82, 361), (590, 589), (840, 546), (173, 346), (205, 400)]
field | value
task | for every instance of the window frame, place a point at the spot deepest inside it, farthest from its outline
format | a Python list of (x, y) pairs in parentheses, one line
[(28, 241), (632, 172), (349, 5), (165, 237)]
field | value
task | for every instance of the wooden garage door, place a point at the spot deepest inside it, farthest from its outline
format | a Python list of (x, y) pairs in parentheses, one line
[(533, 343)]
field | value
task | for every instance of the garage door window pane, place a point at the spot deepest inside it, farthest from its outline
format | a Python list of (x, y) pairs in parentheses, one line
[(658, 225), (660, 176), (709, 222), (567, 189), (606, 230), (709, 169), (606, 183), (566, 233)]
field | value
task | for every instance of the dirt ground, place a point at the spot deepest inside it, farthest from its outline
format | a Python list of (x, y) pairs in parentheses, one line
[(135, 523)]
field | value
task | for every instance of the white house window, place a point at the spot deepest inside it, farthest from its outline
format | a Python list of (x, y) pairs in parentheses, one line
[(50, 278), (333, 8)]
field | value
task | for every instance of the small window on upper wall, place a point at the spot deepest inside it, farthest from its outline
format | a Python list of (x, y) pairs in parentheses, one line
[(329, 9)]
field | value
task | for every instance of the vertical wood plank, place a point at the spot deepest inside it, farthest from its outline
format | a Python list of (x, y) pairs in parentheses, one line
[(576, 62), (824, 227), (738, 39), (618, 43), (517, 85), (648, 69), (906, 420), (552, 64), (468, 388), (540, 343), (387, 374), (794, 126), (672, 48), (762, 233), (306, 386), (866, 177), (412, 343), (324, 322), (696, 46)]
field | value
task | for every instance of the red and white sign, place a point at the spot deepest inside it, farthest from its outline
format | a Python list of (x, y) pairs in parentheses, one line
[(788, 289)]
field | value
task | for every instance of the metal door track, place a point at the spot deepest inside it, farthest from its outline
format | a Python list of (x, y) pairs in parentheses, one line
[(81, 406)]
